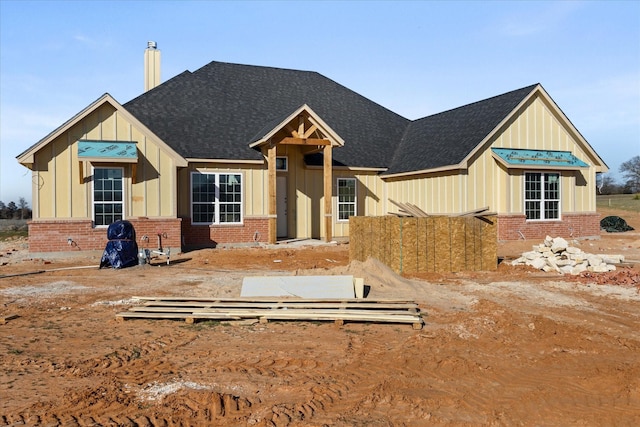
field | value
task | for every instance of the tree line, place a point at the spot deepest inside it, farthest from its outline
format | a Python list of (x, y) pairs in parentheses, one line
[(631, 179), (12, 210)]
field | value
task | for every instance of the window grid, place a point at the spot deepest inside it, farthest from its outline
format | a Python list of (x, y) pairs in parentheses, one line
[(542, 196), (216, 198), (346, 198), (108, 196)]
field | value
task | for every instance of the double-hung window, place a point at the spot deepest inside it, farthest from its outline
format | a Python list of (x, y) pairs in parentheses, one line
[(542, 195), (108, 195), (346, 198), (216, 198)]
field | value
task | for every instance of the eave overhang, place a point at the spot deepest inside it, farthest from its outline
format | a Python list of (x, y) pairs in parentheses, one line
[(447, 168)]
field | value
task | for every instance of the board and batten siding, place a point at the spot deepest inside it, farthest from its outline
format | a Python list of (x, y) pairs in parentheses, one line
[(58, 193), (485, 182), (538, 128)]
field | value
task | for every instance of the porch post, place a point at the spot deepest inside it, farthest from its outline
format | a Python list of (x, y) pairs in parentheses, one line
[(328, 219), (272, 212)]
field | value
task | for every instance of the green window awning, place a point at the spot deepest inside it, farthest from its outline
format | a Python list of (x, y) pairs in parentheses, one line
[(108, 151), (537, 159)]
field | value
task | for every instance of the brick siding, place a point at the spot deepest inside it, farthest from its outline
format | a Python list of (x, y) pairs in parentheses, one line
[(574, 226), (253, 230), (52, 236)]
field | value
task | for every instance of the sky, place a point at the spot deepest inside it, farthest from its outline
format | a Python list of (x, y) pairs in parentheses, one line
[(415, 58)]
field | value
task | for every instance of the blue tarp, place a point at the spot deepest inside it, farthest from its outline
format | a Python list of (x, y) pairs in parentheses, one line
[(122, 249)]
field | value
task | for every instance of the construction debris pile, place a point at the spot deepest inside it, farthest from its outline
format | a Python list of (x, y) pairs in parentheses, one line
[(555, 254)]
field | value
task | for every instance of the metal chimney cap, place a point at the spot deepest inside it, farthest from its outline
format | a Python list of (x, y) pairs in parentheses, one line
[(152, 45)]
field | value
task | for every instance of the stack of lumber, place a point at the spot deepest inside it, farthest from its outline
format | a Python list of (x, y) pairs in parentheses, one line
[(265, 309), (410, 210)]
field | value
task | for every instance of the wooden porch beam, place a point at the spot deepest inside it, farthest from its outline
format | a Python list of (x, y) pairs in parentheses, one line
[(328, 196), (309, 131), (271, 164), (293, 132), (304, 141)]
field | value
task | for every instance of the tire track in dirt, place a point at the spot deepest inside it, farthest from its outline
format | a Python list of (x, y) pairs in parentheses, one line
[(315, 388), (137, 364)]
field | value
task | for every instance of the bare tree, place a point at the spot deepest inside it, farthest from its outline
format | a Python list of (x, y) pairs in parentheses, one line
[(24, 208), (631, 172), (607, 184)]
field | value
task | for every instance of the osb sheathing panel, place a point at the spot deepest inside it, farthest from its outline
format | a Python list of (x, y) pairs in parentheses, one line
[(433, 244)]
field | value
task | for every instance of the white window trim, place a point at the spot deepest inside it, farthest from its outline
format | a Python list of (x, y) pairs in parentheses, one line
[(93, 202), (355, 199), (216, 220), (542, 199), (286, 163)]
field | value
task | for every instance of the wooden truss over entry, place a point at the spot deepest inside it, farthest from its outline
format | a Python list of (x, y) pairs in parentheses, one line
[(307, 130)]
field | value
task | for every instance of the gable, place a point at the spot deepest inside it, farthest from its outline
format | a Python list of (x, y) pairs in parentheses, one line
[(540, 125), (104, 109)]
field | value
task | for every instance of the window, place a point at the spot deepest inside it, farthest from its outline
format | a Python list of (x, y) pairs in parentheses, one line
[(216, 198), (282, 164), (346, 198), (542, 196), (108, 195)]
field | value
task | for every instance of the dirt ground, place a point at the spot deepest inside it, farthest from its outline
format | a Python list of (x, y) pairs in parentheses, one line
[(510, 347)]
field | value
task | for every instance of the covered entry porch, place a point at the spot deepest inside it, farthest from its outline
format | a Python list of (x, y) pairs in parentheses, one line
[(299, 199)]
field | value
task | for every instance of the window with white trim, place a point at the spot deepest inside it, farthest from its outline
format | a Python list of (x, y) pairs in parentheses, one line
[(346, 198), (108, 195), (216, 198), (542, 195)]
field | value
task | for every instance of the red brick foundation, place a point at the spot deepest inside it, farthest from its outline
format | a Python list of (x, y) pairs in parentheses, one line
[(52, 236), (253, 230), (574, 226)]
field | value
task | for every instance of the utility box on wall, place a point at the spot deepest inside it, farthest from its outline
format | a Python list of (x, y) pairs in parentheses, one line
[(435, 244)]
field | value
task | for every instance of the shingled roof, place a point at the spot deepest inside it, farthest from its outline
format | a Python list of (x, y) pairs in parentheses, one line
[(217, 111), (445, 139)]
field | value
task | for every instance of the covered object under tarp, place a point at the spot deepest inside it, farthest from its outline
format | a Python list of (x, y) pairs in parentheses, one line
[(615, 224), (122, 249)]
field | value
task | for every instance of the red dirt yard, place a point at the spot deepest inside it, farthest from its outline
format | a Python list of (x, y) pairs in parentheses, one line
[(511, 347)]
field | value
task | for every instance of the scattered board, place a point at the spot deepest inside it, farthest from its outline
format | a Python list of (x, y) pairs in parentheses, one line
[(265, 309), (5, 319)]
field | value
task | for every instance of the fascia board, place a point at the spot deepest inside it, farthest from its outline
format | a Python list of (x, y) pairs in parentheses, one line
[(27, 157), (235, 161), (448, 168), (481, 145)]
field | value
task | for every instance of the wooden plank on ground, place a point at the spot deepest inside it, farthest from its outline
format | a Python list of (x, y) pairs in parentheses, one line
[(339, 311), (6, 318), (293, 304)]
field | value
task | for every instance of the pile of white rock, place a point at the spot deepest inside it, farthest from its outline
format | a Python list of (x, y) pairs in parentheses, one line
[(555, 254)]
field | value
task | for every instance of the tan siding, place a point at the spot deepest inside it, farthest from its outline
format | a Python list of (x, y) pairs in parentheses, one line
[(63, 196), (537, 128)]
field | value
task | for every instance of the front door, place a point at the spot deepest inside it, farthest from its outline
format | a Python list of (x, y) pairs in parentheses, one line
[(281, 202)]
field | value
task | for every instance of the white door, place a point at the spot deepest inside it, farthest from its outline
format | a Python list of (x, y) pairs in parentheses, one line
[(281, 202)]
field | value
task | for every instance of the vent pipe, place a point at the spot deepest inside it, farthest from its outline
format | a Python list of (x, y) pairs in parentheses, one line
[(151, 66)]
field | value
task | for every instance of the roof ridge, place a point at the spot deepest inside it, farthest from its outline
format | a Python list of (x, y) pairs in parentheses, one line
[(530, 88)]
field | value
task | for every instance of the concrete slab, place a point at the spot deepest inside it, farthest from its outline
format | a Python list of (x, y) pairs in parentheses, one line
[(340, 287)]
